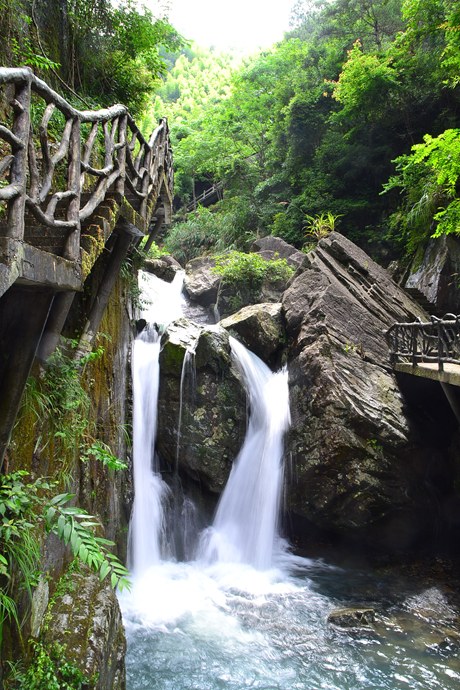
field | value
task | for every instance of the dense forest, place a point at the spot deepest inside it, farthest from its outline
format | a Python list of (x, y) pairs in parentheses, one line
[(350, 120)]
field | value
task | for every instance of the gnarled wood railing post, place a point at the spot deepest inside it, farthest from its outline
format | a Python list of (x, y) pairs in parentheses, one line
[(15, 192), (72, 248), (67, 171)]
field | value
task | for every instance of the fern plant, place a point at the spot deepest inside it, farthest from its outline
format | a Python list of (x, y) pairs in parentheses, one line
[(26, 510)]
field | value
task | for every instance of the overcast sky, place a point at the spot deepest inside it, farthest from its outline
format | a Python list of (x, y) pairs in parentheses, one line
[(243, 24)]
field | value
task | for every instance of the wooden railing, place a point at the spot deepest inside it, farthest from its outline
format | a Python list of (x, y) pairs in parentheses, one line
[(437, 341), (214, 192), (58, 164)]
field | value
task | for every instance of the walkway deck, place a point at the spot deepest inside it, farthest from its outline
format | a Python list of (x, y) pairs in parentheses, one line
[(449, 374), (430, 350)]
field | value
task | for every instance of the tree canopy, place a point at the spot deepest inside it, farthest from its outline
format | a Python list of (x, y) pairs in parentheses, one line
[(357, 91), (103, 51), (353, 114)]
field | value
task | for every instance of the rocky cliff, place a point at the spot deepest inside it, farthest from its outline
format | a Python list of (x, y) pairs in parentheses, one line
[(359, 462)]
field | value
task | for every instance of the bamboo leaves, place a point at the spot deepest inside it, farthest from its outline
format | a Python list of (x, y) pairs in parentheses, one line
[(77, 529)]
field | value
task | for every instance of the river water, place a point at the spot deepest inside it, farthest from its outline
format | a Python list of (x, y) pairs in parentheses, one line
[(245, 612)]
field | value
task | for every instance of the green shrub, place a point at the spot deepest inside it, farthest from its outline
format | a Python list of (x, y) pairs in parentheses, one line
[(229, 225), (26, 510), (317, 227), (50, 669), (239, 268)]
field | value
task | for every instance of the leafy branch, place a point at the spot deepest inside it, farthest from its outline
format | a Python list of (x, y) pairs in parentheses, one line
[(26, 509), (76, 528)]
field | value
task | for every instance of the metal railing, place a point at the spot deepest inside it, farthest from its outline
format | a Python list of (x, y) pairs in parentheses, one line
[(436, 341), (62, 168)]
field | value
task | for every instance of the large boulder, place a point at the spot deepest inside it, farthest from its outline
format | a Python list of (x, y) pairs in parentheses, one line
[(202, 403), (201, 283), (276, 248), (350, 431), (234, 296), (165, 267), (206, 288), (260, 328)]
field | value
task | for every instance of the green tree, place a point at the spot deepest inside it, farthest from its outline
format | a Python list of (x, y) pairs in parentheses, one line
[(428, 178)]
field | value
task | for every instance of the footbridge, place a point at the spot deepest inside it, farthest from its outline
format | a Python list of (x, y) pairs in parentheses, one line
[(78, 189), (430, 350)]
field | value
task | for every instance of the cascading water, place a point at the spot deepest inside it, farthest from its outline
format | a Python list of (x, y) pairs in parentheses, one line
[(245, 526), (162, 304), (231, 621), (149, 489)]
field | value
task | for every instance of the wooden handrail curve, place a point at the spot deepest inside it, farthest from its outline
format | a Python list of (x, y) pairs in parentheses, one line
[(62, 169), (436, 341)]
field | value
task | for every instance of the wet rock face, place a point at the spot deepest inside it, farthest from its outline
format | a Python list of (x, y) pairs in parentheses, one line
[(352, 618), (436, 279), (201, 283), (204, 434), (86, 621), (349, 426)]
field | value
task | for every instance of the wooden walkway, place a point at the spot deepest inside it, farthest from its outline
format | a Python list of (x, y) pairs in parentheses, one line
[(450, 373), (430, 350), (78, 190), (67, 177)]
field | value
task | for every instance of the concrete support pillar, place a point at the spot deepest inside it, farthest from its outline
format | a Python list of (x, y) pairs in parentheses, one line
[(54, 325), (452, 399), (126, 234)]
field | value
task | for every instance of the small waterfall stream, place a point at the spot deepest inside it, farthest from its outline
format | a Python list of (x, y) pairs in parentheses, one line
[(147, 521), (245, 528), (247, 613), (146, 530)]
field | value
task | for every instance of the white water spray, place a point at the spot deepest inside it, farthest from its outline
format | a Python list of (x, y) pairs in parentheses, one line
[(245, 528)]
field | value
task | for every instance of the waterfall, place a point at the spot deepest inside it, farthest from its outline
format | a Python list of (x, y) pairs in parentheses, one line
[(245, 528), (230, 619), (146, 530), (149, 489)]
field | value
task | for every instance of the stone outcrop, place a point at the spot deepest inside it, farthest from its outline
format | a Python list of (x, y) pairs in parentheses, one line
[(205, 433), (260, 327), (86, 621), (436, 281), (206, 288), (350, 431), (164, 267), (276, 248), (201, 283), (232, 298), (352, 618)]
